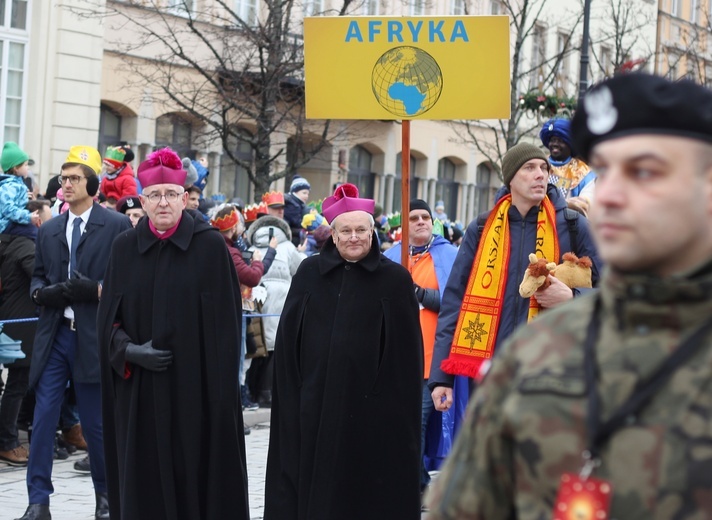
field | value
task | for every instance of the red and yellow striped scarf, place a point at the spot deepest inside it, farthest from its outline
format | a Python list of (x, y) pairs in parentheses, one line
[(482, 305)]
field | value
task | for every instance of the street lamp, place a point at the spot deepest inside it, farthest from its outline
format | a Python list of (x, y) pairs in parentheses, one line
[(583, 75)]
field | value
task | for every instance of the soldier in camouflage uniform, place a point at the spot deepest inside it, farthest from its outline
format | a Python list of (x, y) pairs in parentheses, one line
[(535, 416)]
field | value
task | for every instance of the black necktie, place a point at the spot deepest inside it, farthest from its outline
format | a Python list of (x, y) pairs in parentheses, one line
[(76, 236)]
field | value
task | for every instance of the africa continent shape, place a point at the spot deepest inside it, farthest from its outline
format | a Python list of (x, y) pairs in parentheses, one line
[(407, 81)]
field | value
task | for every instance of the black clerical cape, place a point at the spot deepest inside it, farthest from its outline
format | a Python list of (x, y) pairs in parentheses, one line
[(174, 440), (345, 427)]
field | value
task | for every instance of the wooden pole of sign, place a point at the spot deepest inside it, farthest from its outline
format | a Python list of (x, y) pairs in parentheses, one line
[(405, 190)]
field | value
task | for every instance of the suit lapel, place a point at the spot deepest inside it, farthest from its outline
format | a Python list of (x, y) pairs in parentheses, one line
[(61, 230), (94, 224)]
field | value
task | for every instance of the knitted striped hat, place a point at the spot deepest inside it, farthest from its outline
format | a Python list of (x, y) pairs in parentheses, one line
[(299, 184)]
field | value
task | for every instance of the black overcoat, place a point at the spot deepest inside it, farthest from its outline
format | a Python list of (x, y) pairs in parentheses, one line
[(15, 301), (346, 401), (52, 266), (174, 440)]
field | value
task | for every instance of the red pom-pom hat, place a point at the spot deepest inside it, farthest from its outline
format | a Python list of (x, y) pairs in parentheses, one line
[(161, 167), (345, 199)]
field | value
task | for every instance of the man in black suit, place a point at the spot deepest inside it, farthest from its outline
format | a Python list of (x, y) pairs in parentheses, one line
[(71, 256)]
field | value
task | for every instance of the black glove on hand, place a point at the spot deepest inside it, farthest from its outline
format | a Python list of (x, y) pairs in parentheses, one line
[(52, 296), (148, 357), (428, 298), (419, 292), (81, 289)]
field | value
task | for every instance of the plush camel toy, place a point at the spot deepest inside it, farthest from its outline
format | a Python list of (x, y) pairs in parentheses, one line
[(536, 276), (573, 271)]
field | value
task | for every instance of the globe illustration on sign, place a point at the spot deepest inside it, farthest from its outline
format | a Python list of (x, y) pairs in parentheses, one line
[(407, 81)]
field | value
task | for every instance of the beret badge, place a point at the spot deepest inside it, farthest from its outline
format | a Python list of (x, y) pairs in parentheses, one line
[(602, 114)]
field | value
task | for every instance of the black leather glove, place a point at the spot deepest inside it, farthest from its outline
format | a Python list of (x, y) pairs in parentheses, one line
[(148, 357), (52, 296), (428, 298), (81, 289)]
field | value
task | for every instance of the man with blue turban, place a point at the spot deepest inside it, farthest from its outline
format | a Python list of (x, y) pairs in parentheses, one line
[(570, 174)]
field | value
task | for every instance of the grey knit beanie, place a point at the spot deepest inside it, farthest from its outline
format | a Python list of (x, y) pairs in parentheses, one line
[(192, 173), (516, 156)]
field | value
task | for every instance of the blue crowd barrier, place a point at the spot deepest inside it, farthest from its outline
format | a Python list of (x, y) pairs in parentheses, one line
[(25, 320)]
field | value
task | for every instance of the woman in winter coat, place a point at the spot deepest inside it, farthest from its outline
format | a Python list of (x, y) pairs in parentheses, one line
[(277, 282), (228, 220)]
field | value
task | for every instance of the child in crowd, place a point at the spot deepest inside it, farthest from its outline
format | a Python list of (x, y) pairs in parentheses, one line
[(13, 191)]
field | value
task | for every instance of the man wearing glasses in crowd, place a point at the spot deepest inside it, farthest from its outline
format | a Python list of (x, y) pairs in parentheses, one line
[(430, 260), (70, 259), (345, 427), (170, 345)]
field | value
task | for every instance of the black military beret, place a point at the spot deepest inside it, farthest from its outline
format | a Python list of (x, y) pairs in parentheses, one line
[(128, 202), (639, 103)]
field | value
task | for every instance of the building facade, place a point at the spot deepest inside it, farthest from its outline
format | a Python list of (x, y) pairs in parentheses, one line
[(75, 72), (684, 40)]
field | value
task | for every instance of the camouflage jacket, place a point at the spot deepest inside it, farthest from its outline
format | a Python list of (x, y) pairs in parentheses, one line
[(526, 424)]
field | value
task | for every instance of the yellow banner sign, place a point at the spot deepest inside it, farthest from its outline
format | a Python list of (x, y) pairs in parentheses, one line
[(450, 67)]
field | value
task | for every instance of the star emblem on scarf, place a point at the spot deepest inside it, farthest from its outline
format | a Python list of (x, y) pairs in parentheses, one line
[(475, 331)]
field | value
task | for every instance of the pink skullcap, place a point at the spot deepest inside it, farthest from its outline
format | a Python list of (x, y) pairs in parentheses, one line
[(345, 199), (161, 167)]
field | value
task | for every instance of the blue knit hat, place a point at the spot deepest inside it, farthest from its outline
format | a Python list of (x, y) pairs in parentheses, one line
[(299, 184), (558, 127)]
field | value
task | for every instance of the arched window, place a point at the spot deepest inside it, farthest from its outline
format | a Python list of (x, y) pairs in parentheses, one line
[(109, 128), (360, 171), (446, 188), (176, 132), (234, 180), (483, 188), (397, 199)]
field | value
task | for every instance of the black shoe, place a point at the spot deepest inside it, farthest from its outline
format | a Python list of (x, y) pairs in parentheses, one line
[(247, 403), (249, 406), (102, 505), (59, 452), (70, 448), (265, 400), (37, 512), (83, 466), (247, 430)]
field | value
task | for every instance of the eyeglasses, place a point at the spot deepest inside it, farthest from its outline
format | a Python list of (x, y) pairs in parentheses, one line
[(73, 179), (416, 218), (361, 233), (170, 196)]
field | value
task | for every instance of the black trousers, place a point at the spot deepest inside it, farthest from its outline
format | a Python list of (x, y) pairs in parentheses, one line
[(259, 377), (15, 390)]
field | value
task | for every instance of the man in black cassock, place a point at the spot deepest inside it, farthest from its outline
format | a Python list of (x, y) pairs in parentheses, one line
[(169, 337), (346, 401)]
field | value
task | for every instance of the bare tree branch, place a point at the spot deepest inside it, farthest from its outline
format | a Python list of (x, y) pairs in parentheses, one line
[(237, 77)]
